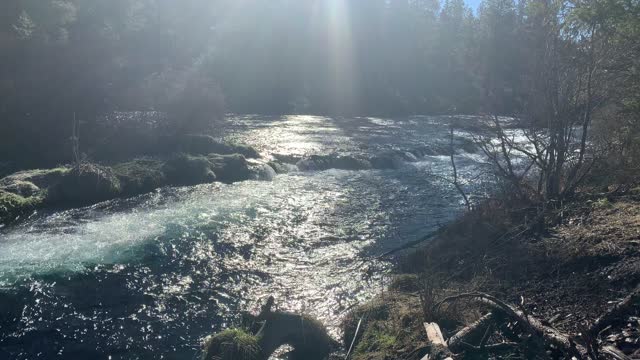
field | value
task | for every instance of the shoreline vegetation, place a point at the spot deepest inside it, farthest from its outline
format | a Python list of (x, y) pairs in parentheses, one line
[(566, 285)]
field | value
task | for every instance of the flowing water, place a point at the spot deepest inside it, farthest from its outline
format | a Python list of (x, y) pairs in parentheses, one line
[(149, 277)]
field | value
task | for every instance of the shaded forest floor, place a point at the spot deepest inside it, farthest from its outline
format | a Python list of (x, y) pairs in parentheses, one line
[(586, 260)]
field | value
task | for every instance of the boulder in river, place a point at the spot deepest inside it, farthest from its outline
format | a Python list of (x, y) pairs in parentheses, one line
[(205, 144), (184, 169), (230, 168), (42, 178), (85, 184), (325, 162), (392, 159), (13, 205), (140, 175)]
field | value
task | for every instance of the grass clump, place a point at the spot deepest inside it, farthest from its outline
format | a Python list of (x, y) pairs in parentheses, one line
[(232, 344), (376, 339)]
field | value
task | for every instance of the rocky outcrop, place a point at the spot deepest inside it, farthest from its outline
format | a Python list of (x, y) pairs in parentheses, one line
[(85, 184), (325, 162), (183, 169), (140, 175), (204, 144), (230, 168)]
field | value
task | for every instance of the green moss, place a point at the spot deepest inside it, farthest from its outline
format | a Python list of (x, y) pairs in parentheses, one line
[(140, 175), (84, 185), (43, 178), (13, 205), (376, 339), (184, 169), (232, 344)]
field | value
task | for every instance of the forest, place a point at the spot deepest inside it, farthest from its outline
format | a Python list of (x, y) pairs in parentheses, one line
[(388, 173), (197, 61)]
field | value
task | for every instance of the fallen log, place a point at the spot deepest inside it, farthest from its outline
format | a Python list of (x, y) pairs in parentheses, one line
[(534, 327), (471, 334), (439, 349)]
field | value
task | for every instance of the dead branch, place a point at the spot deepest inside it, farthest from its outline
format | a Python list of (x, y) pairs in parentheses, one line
[(534, 327), (615, 312), (470, 334)]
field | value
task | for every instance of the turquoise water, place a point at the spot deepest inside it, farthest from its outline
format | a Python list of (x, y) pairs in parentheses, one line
[(150, 277)]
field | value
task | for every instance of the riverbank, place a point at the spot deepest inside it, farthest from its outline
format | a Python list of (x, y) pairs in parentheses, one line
[(567, 270)]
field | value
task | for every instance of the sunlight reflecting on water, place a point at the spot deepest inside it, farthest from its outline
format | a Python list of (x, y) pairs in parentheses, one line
[(152, 275)]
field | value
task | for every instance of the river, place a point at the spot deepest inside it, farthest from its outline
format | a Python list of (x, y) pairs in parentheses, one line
[(149, 277)]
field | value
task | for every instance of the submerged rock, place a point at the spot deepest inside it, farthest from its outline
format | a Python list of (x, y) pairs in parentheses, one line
[(282, 168), (230, 168), (392, 159), (205, 144), (262, 171), (325, 162)]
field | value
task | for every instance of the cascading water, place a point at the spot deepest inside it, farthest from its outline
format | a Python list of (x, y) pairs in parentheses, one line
[(149, 277)]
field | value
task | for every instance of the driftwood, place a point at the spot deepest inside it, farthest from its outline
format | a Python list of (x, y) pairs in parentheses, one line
[(540, 335), (530, 324), (439, 348), (471, 334)]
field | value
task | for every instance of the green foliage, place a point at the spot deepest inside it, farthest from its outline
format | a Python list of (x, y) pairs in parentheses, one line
[(375, 339), (232, 344)]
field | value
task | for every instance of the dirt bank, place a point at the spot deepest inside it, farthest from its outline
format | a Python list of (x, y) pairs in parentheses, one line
[(567, 274)]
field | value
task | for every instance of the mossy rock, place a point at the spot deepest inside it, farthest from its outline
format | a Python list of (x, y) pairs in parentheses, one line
[(184, 169), (13, 205), (230, 168), (85, 184), (205, 144), (324, 162), (42, 178), (140, 175), (22, 188), (232, 344)]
